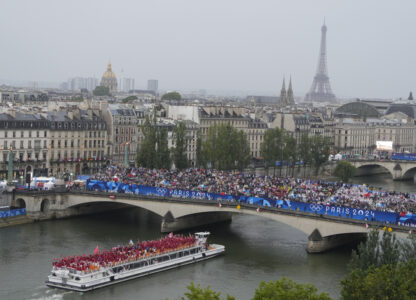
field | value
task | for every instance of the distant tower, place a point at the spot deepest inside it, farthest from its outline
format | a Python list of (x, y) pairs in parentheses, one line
[(410, 96), (283, 95), (290, 98), (321, 89)]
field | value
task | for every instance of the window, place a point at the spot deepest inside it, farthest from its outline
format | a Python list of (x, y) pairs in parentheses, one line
[(45, 133), (21, 133), (14, 134), (37, 133), (29, 144), (30, 133), (21, 144)]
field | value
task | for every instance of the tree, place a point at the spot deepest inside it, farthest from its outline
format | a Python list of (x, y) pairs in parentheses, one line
[(172, 96), (200, 154), (129, 98), (286, 289), (162, 150), (101, 91), (344, 170), (408, 248), (146, 153), (290, 152), (319, 148), (375, 252), (243, 151), (272, 149), (179, 152), (385, 282), (198, 293), (225, 148)]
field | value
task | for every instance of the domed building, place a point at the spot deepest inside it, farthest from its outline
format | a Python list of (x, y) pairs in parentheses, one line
[(357, 110), (109, 79)]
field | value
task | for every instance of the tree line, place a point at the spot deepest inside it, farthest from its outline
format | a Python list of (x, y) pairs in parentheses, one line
[(224, 148), (154, 151), (227, 148), (382, 268), (281, 146)]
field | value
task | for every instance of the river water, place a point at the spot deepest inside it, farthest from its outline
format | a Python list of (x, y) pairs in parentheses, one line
[(256, 249)]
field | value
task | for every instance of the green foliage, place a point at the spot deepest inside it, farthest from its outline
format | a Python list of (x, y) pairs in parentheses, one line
[(344, 170), (385, 282), (179, 152), (408, 248), (162, 150), (198, 293), (200, 154), (146, 153), (375, 252), (225, 148), (286, 289), (272, 149), (101, 91), (153, 151), (304, 149), (129, 98), (319, 149), (172, 96)]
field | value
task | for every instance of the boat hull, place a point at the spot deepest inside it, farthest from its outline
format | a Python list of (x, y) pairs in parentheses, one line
[(136, 273)]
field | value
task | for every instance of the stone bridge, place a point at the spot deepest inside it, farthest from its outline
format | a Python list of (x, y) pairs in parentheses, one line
[(399, 169), (324, 232)]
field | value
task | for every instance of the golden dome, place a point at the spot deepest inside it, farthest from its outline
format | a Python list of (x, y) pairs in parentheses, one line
[(109, 73), (109, 79)]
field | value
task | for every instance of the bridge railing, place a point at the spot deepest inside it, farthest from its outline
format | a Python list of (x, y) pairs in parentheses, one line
[(333, 212)]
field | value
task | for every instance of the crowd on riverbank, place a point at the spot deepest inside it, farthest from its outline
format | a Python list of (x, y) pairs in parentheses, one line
[(269, 187)]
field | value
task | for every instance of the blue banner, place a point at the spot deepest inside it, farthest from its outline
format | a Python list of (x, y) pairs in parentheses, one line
[(12, 213), (313, 208)]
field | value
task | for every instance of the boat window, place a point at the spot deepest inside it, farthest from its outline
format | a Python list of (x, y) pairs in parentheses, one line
[(77, 278)]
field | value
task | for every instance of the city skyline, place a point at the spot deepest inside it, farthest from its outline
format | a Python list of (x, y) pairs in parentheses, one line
[(215, 46)]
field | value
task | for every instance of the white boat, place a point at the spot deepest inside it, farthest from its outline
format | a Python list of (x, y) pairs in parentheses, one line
[(152, 261)]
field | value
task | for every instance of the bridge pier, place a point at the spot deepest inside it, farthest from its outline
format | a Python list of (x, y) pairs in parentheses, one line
[(319, 244), (171, 224)]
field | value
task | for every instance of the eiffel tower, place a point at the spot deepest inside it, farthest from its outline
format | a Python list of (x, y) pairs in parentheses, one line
[(321, 89)]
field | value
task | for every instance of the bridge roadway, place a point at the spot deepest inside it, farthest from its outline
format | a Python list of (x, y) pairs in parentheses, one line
[(324, 232), (399, 169)]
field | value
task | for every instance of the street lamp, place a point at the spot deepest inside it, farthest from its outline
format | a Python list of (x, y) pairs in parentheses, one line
[(126, 154)]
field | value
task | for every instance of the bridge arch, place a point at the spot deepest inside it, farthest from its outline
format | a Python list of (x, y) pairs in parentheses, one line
[(410, 173), (373, 168), (44, 205), (20, 203)]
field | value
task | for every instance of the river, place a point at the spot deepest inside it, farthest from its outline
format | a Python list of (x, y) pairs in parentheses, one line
[(256, 249)]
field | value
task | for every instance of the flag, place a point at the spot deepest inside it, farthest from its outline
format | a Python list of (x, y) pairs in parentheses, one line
[(258, 209), (238, 206), (366, 225), (219, 205), (170, 235), (95, 250)]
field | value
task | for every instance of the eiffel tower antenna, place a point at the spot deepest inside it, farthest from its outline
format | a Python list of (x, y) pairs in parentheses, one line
[(321, 89)]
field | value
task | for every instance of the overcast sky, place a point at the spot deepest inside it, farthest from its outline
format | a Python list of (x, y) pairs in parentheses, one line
[(217, 45)]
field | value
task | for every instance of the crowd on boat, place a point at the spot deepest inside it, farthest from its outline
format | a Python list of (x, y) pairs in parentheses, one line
[(271, 187), (123, 254)]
